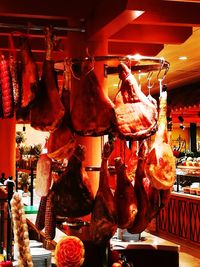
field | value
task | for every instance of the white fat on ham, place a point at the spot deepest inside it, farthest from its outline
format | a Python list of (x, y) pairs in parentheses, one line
[(43, 175), (160, 165), (136, 115)]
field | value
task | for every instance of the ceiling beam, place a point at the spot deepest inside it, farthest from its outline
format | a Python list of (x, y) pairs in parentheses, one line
[(172, 13), (170, 18), (153, 34), (47, 9), (123, 48), (163, 5), (106, 21)]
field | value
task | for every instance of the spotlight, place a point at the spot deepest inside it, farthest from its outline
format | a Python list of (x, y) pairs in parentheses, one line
[(24, 128), (180, 118), (182, 126)]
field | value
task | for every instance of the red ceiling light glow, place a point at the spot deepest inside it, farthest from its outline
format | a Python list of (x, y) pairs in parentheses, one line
[(182, 58)]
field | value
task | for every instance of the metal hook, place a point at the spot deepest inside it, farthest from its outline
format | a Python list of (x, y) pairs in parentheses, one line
[(160, 79), (161, 67), (149, 84), (163, 63), (160, 84), (70, 63)]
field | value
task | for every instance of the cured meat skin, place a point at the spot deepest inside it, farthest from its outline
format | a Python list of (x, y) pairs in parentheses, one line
[(6, 88), (50, 218), (132, 162), (95, 114), (143, 215), (164, 197), (104, 214), (160, 165), (151, 199), (61, 142), (157, 198), (73, 196), (48, 111), (154, 198), (40, 219), (30, 75), (14, 72), (136, 115), (125, 197)]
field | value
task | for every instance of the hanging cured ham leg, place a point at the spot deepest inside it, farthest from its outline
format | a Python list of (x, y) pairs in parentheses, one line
[(160, 163), (104, 215), (61, 142), (136, 115), (73, 196), (30, 76), (125, 197), (154, 197), (92, 111), (143, 215), (14, 73), (48, 111)]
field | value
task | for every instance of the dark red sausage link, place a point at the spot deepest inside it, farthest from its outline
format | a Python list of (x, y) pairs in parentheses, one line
[(13, 65), (50, 218), (40, 219), (7, 93)]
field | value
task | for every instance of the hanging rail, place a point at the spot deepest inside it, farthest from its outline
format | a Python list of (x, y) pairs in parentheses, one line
[(136, 58), (158, 64), (138, 68), (38, 28)]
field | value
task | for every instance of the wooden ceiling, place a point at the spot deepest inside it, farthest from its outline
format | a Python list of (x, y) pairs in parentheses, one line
[(157, 28)]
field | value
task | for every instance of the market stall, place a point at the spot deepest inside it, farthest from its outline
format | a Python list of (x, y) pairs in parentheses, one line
[(108, 167)]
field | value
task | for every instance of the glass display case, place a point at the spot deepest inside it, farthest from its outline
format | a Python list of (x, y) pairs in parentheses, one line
[(188, 180)]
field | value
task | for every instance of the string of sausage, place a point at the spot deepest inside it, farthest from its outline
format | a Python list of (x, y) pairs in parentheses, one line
[(21, 231), (7, 92)]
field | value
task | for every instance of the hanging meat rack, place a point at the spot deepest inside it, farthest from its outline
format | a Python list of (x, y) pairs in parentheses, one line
[(133, 58), (157, 64), (137, 63), (151, 64)]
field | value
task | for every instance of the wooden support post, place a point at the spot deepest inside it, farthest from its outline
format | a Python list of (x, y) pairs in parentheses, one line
[(7, 146)]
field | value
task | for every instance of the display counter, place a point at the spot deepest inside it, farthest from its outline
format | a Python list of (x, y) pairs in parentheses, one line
[(188, 176), (157, 251), (181, 218)]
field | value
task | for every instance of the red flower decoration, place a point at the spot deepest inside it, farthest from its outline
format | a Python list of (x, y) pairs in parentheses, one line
[(69, 252)]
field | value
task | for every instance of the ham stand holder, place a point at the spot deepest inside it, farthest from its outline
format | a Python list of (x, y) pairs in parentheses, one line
[(157, 64), (149, 250)]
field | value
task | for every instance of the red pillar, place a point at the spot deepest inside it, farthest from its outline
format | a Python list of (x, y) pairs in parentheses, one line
[(78, 47), (7, 146)]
